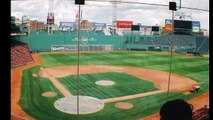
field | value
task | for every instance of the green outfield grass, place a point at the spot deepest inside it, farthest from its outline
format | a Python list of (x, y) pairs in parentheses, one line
[(41, 108), (125, 84)]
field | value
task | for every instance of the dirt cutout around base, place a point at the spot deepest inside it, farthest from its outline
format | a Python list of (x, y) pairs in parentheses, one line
[(34, 75), (49, 94), (87, 105), (187, 93), (105, 82), (124, 105)]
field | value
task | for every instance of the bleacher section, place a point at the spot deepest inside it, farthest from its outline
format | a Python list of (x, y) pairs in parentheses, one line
[(20, 54), (190, 40), (181, 43), (185, 50), (163, 40), (178, 41), (199, 41), (146, 42), (204, 47), (201, 114)]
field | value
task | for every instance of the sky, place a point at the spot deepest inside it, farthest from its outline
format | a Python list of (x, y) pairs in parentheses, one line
[(102, 12)]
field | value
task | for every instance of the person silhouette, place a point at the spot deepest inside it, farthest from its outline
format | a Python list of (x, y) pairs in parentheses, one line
[(177, 109)]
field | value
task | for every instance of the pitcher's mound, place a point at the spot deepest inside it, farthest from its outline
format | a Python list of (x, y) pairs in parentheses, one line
[(87, 104), (123, 105), (105, 83), (49, 94)]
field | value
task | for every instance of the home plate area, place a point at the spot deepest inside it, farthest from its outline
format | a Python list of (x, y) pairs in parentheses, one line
[(87, 105)]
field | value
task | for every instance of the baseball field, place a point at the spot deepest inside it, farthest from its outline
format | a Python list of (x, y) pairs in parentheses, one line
[(130, 85)]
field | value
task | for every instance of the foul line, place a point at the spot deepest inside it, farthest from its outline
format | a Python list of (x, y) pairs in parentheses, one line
[(17, 116), (60, 87), (131, 96)]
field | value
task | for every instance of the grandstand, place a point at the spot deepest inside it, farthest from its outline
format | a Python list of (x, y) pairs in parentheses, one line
[(181, 43), (204, 47), (190, 40), (161, 40), (201, 114), (20, 54), (146, 42), (178, 41)]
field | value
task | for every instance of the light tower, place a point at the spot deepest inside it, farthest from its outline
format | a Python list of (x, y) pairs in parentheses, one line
[(114, 15), (77, 16), (50, 18)]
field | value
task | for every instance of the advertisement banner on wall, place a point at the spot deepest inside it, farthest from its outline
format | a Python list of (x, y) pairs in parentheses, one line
[(124, 24), (195, 26), (56, 48), (98, 25), (168, 25), (67, 24), (145, 28)]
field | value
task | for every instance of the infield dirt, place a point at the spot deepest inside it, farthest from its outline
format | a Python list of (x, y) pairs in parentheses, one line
[(159, 78), (178, 83)]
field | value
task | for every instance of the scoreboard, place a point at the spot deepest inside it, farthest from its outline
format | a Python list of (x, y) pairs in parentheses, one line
[(182, 24), (182, 27)]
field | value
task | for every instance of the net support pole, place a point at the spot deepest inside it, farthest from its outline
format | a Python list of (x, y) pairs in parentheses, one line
[(170, 61), (78, 60)]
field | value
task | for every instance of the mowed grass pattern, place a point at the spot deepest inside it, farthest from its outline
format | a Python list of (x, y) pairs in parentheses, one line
[(196, 68), (125, 84), (42, 108), (183, 65)]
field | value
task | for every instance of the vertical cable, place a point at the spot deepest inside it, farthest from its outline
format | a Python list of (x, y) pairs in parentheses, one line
[(170, 63), (170, 68), (78, 80)]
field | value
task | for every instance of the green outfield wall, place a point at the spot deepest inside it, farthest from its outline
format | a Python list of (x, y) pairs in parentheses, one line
[(91, 40), (41, 41)]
